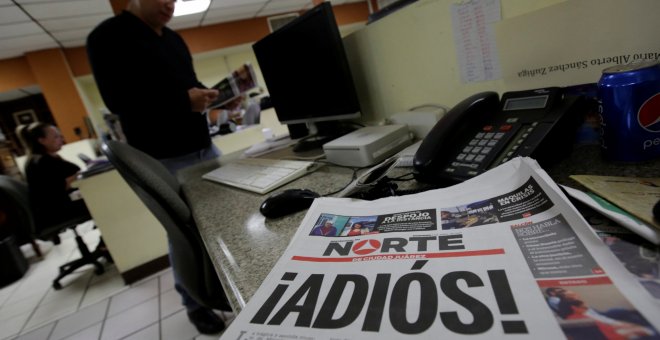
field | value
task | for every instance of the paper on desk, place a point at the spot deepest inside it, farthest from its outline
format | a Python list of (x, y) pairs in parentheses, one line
[(633, 194), (474, 37), (615, 214)]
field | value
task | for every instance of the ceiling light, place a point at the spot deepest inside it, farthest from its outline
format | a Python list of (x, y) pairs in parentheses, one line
[(185, 7)]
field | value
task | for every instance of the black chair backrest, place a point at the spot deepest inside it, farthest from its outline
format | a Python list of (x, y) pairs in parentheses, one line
[(15, 194), (160, 191)]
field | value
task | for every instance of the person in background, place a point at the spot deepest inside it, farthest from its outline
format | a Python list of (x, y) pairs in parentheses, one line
[(252, 112), (237, 114), (145, 75), (49, 177)]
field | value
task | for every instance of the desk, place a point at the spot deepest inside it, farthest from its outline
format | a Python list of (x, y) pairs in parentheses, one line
[(244, 246), (135, 238)]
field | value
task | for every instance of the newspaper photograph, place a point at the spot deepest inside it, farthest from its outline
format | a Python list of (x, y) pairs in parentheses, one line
[(639, 256), (504, 254), (238, 82)]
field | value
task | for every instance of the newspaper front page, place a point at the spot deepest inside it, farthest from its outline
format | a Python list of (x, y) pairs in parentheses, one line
[(501, 255)]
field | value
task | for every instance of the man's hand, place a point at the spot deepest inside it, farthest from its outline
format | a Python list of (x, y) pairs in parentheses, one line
[(201, 98)]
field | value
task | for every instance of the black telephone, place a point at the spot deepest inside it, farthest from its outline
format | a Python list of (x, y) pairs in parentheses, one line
[(483, 131)]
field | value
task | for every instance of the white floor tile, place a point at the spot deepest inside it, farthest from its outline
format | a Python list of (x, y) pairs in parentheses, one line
[(32, 309), (130, 320), (29, 290), (133, 296), (92, 332), (103, 289), (73, 287), (51, 311), (26, 305), (170, 303), (150, 333), (110, 271), (7, 291), (41, 333), (177, 326), (12, 326), (80, 320), (166, 281)]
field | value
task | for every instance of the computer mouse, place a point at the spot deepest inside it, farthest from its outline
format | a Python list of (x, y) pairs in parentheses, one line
[(287, 202)]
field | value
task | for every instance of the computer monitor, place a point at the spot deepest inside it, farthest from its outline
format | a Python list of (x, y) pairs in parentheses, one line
[(306, 71)]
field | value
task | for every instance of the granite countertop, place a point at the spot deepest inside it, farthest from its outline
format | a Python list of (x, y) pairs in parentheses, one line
[(245, 246)]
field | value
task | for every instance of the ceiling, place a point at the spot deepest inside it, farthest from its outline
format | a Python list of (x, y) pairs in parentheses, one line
[(32, 25)]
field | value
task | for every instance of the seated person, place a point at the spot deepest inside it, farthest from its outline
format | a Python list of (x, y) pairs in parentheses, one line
[(252, 112), (49, 177), (241, 111)]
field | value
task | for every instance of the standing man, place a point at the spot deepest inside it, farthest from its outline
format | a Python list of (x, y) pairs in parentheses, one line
[(145, 74)]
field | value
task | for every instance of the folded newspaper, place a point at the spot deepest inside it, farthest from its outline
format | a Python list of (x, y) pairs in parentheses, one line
[(233, 85), (501, 255)]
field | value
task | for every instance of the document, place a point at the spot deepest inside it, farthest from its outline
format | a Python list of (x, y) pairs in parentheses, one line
[(504, 254), (632, 194), (238, 82), (474, 36)]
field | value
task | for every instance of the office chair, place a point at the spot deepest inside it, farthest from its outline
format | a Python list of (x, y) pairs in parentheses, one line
[(15, 199), (18, 197), (160, 191)]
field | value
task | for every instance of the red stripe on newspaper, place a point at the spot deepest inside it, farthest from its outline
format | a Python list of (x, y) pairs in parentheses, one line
[(600, 280), (387, 257)]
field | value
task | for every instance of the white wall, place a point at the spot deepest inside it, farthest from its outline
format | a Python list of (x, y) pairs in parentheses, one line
[(408, 58)]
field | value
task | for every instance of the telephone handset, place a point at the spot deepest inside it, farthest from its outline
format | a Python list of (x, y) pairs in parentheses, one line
[(483, 131)]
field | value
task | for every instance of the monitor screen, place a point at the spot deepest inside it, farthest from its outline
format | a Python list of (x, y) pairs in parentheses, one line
[(306, 71)]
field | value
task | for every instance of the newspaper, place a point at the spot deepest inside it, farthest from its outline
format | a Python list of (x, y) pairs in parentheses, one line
[(232, 86), (616, 214), (501, 255), (640, 257), (632, 194)]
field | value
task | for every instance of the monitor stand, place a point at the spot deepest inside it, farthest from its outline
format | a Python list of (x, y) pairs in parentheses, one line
[(311, 143), (319, 134)]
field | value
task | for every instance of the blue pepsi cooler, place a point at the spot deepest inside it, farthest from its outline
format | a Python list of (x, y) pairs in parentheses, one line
[(629, 98)]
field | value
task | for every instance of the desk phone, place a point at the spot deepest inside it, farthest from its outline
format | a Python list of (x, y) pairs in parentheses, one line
[(483, 131)]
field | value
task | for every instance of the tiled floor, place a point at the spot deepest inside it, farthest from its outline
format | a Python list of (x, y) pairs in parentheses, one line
[(90, 306)]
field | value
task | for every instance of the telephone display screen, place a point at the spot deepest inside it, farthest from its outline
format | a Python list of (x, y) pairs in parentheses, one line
[(536, 102)]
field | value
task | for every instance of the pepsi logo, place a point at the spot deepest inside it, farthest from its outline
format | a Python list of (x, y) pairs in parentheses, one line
[(365, 247), (648, 115)]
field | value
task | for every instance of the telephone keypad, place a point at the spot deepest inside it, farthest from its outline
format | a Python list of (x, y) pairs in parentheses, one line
[(482, 148)]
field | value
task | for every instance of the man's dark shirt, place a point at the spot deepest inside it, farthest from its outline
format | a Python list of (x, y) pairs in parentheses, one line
[(144, 78)]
